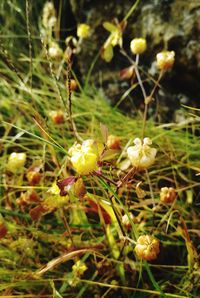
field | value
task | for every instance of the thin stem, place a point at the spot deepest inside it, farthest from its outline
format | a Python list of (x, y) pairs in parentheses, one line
[(72, 125), (106, 178), (29, 40), (67, 226), (144, 119), (156, 84), (139, 77), (150, 187), (131, 10), (53, 74), (148, 100)]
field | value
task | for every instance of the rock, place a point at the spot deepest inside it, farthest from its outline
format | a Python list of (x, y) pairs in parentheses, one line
[(166, 24)]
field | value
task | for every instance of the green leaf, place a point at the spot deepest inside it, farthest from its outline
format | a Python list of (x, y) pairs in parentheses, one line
[(107, 54), (109, 27)]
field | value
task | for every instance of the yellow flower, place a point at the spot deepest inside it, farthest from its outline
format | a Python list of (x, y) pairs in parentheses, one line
[(147, 247), (138, 45), (141, 155), (165, 60), (16, 161), (79, 268), (83, 31), (114, 39), (84, 158), (167, 195)]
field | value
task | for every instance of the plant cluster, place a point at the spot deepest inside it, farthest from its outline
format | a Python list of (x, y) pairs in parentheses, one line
[(93, 202)]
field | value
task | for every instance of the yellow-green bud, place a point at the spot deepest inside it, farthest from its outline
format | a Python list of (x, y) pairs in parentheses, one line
[(16, 161), (79, 268), (138, 45), (54, 51), (83, 31)]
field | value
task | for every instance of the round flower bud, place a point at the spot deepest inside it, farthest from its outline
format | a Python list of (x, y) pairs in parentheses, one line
[(84, 158), (57, 117), (54, 51), (147, 247), (141, 155), (113, 142), (138, 45), (167, 195), (165, 60), (16, 161), (83, 31), (126, 220), (73, 84)]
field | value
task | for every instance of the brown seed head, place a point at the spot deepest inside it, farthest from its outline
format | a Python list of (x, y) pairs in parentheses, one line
[(167, 195), (147, 247)]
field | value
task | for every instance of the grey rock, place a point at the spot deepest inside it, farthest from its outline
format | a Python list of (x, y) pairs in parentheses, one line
[(166, 24)]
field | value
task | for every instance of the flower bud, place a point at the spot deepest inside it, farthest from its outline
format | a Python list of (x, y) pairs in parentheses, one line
[(126, 220), (138, 45), (167, 195), (54, 51), (113, 142), (79, 268), (57, 117), (16, 161), (49, 15), (83, 31), (165, 60), (84, 158), (147, 247), (34, 177), (127, 73), (141, 155), (73, 84)]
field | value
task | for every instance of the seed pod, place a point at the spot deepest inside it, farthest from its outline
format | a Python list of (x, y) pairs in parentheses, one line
[(165, 60), (57, 117), (167, 195), (73, 84), (33, 177), (126, 220), (113, 142), (147, 247)]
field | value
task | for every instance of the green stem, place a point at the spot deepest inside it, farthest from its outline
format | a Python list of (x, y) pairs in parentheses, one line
[(134, 6)]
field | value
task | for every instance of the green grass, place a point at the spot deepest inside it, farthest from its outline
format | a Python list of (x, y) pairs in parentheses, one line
[(37, 256)]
